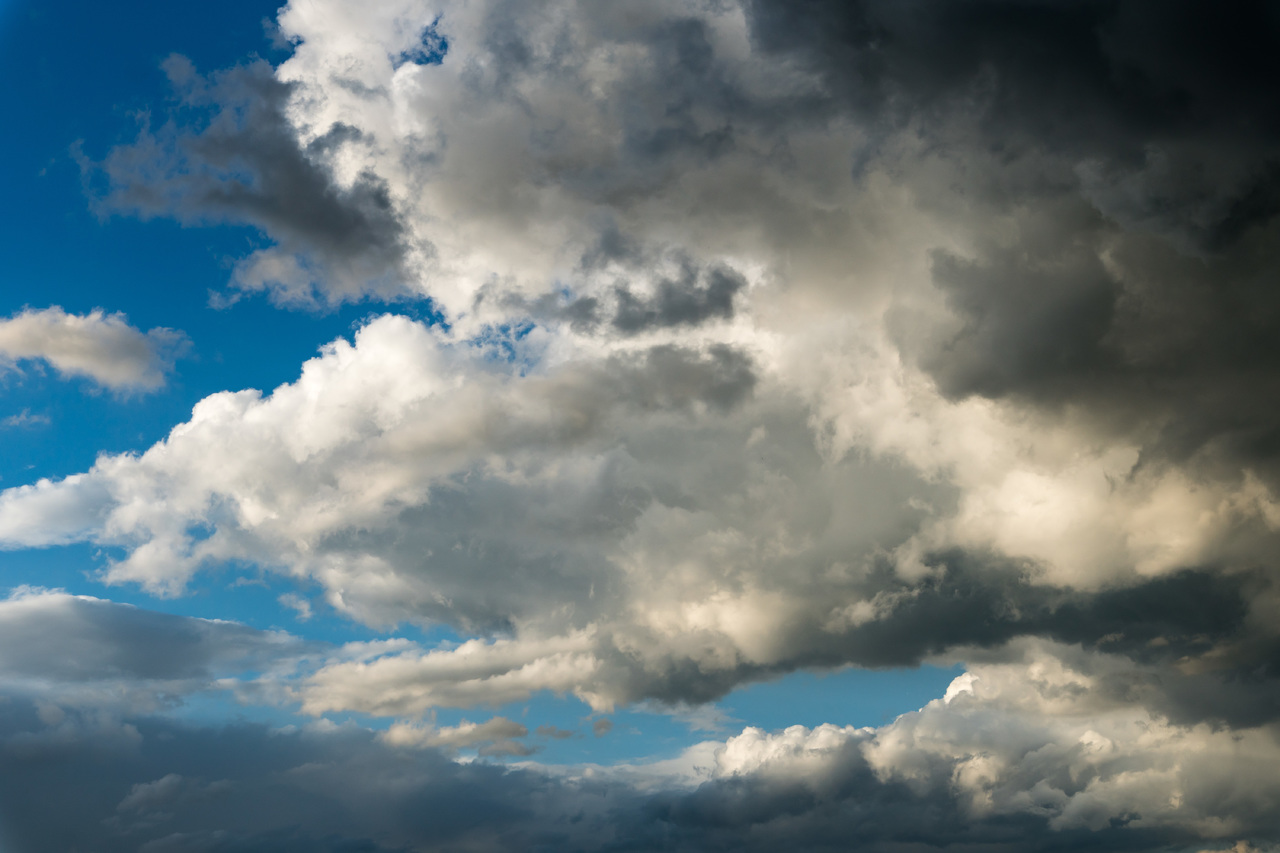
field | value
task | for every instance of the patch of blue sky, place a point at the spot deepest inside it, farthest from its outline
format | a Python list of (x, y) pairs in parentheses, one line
[(501, 344), (216, 708), (845, 697), (650, 732), (431, 48)]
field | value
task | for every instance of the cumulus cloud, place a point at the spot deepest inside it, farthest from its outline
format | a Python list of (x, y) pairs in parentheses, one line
[(1027, 745), (101, 347), (660, 523), (770, 335)]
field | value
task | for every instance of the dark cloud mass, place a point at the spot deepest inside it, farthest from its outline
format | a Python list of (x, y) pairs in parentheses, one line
[(679, 303), (228, 153), (248, 788), (1143, 119), (77, 639), (1095, 78)]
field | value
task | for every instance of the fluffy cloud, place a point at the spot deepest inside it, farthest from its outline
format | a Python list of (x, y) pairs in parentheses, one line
[(1011, 745), (657, 521), (769, 335), (101, 347)]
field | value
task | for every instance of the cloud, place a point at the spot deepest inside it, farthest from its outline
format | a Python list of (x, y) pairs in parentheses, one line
[(296, 603), (551, 731), (101, 347), (771, 336), (24, 420), (242, 163), (679, 303), (101, 656), (1021, 752), (658, 522), (495, 736), (412, 682)]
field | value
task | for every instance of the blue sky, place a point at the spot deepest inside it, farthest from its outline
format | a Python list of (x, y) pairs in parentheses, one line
[(439, 425)]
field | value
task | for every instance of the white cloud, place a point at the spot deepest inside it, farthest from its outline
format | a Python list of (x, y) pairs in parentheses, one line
[(495, 732), (476, 672), (102, 347), (1036, 738), (296, 603)]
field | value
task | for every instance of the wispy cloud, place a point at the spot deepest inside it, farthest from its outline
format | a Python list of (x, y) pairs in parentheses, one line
[(24, 419)]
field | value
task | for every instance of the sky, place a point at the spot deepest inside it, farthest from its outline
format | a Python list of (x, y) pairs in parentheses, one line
[(516, 425)]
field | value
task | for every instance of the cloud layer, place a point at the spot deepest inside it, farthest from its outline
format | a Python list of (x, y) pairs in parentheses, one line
[(1027, 753)]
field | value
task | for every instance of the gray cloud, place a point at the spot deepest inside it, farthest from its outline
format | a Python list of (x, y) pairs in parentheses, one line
[(1171, 350), (1005, 761), (242, 162), (639, 521), (689, 299), (1091, 78), (1127, 143), (679, 303), (96, 654)]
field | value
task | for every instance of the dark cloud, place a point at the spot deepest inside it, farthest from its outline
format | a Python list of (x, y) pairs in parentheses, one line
[(1096, 78), (246, 788), (228, 153), (682, 302), (762, 813), (673, 377), (1033, 317), (1135, 146), (1193, 615), (61, 638), (551, 731), (693, 297), (1174, 351), (1203, 654), (336, 791)]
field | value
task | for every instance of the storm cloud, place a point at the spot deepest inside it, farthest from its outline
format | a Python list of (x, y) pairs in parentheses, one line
[(765, 336)]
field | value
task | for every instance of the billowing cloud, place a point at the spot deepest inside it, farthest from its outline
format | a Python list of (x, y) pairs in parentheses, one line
[(99, 346), (769, 336), (662, 523)]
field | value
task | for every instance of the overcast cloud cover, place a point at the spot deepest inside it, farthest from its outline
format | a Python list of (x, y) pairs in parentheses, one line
[(706, 342)]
